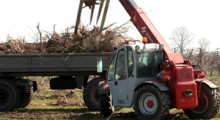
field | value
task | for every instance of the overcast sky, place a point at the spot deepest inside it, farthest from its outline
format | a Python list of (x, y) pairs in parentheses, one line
[(20, 17)]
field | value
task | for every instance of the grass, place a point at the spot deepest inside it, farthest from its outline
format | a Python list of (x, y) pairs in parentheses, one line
[(215, 79), (39, 101), (68, 104)]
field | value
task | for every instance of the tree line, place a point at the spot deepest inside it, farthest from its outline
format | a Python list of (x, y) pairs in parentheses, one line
[(200, 56)]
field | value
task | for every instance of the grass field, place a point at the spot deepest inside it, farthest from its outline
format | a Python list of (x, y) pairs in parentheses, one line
[(68, 104)]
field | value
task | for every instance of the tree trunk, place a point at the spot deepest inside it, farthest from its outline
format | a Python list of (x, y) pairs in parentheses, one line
[(211, 71)]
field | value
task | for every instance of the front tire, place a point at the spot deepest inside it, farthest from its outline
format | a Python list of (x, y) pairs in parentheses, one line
[(90, 95), (106, 108), (9, 96), (208, 104), (150, 103)]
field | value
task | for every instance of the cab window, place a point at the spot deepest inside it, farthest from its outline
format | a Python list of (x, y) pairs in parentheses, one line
[(120, 72), (111, 68)]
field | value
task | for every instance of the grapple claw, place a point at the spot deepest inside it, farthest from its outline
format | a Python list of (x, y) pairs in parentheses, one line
[(92, 12), (100, 10), (91, 4), (104, 14), (78, 16)]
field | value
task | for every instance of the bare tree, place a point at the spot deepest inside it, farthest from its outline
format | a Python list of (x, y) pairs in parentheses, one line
[(218, 61), (203, 44), (181, 37), (189, 53), (213, 64), (203, 56)]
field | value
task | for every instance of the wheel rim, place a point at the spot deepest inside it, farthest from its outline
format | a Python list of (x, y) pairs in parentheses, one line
[(203, 104), (148, 104), (3, 97)]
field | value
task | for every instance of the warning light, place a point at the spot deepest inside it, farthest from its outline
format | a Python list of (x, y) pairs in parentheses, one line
[(144, 40), (201, 75)]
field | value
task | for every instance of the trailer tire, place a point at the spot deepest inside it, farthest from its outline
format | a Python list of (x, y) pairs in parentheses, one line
[(25, 98), (106, 108), (208, 107), (151, 103), (9, 96), (90, 95)]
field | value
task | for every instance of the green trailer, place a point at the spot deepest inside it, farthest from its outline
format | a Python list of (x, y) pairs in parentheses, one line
[(69, 71)]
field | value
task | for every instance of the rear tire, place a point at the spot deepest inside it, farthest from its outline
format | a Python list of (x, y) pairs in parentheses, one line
[(90, 95), (150, 103), (106, 108), (9, 96), (208, 104), (25, 98)]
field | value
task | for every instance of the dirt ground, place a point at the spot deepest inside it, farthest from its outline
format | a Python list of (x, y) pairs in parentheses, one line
[(41, 111), (74, 113), (68, 104), (48, 111)]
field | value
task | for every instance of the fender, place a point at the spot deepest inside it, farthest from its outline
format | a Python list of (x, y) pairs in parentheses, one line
[(103, 88), (159, 85), (206, 82)]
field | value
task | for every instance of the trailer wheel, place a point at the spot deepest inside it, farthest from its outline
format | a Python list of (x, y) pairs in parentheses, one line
[(90, 95), (151, 103), (208, 107), (9, 96), (25, 98), (106, 108)]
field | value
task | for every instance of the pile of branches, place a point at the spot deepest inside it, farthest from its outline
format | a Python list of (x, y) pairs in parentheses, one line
[(85, 40), (17, 46)]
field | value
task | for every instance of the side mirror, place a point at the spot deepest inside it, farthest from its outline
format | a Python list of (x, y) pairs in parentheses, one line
[(99, 65)]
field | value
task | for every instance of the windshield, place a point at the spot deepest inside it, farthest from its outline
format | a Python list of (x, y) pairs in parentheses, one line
[(148, 63)]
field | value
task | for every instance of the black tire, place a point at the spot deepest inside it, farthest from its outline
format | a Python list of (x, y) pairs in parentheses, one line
[(25, 98), (90, 95), (106, 108), (208, 104), (9, 96), (150, 103)]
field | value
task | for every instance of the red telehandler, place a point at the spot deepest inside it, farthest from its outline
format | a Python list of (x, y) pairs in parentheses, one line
[(151, 78)]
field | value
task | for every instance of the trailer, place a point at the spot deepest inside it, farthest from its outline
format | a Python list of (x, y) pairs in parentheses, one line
[(70, 70)]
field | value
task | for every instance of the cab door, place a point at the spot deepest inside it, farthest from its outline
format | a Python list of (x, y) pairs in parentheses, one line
[(119, 77)]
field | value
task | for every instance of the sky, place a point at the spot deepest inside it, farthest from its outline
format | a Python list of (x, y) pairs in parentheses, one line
[(201, 17)]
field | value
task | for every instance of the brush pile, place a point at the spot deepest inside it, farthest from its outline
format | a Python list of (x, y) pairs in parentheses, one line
[(85, 40)]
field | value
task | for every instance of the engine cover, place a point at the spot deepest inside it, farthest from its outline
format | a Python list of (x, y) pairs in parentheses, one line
[(185, 88)]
